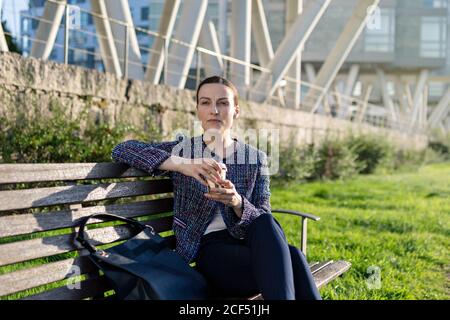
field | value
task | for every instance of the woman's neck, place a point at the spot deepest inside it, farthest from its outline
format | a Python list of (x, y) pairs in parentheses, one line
[(220, 144)]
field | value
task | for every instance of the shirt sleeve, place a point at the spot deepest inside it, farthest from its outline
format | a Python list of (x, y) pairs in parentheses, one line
[(259, 203), (144, 156)]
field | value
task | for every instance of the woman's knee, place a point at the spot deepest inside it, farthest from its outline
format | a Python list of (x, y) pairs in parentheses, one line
[(264, 218), (266, 223)]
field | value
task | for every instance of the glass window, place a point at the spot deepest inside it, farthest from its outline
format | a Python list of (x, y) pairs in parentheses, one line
[(380, 37), (213, 10), (357, 90), (144, 13), (436, 89), (433, 37), (25, 25), (77, 38), (435, 3), (34, 23), (86, 19), (390, 88), (25, 43), (156, 9), (36, 3), (154, 24), (276, 24)]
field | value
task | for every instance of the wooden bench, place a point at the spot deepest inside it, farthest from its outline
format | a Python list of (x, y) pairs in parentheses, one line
[(41, 206)]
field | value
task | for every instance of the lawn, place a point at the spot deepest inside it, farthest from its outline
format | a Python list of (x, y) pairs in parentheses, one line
[(396, 226)]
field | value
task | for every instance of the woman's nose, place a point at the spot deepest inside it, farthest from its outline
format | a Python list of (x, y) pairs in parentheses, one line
[(214, 109)]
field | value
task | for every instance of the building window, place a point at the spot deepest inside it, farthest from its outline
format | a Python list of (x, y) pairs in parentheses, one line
[(433, 37), (34, 23), (156, 9), (36, 3), (144, 13), (357, 90), (213, 10), (276, 24), (381, 38), (154, 24), (25, 43), (436, 89), (78, 38), (25, 25), (86, 19), (435, 3)]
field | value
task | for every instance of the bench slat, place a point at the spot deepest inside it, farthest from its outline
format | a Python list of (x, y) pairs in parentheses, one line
[(43, 172), (43, 247), (20, 280), (30, 278), (93, 287), (27, 223), (330, 272), (42, 197), (321, 265)]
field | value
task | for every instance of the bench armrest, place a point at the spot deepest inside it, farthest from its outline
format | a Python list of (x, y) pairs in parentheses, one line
[(297, 213), (304, 216)]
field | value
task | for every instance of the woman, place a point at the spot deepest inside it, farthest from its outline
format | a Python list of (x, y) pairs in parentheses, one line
[(230, 232)]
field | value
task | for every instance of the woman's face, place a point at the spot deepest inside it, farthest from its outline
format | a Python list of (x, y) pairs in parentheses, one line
[(216, 107)]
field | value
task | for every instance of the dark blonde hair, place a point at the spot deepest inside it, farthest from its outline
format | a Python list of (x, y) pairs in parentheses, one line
[(221, 80)]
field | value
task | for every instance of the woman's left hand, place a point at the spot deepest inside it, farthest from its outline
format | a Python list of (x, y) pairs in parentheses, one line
[(227, 194)]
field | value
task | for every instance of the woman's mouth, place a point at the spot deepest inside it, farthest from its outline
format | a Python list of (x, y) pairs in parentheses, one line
[(215, 121)]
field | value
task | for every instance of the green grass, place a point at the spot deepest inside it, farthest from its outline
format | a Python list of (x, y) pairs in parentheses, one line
[(398, 223)]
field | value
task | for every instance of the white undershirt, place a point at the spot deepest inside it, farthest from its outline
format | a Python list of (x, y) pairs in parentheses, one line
[(216, 223)]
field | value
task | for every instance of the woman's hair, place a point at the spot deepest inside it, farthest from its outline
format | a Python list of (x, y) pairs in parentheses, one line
[(225, 82)]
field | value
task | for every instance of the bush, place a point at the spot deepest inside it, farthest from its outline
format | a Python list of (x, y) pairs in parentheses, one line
[(40, 139), (369, 151), (397, 159), (296, 163), (439, 145), (335, 160)]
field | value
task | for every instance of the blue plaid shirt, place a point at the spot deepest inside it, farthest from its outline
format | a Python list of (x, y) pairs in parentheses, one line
[(246, 169)]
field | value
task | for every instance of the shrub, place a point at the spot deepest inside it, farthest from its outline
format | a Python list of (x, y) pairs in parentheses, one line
[(397, 159), (58, 139), (335, 160), (369, 151), (296, 162)]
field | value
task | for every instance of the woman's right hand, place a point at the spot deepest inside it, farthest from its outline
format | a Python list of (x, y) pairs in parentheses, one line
[(201, 169)]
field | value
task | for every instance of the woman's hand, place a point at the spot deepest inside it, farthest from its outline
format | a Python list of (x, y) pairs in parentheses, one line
[(227, 195), (207, 169)]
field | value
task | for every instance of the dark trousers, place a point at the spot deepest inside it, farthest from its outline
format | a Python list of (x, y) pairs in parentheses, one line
[(263, 262)]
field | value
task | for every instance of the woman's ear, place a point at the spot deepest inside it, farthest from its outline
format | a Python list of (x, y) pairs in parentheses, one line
[(236, 112)]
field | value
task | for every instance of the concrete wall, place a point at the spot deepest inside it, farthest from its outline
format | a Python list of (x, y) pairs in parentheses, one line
[(31, 85)]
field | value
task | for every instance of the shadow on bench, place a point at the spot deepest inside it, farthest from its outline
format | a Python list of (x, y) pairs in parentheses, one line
[(41, 205)]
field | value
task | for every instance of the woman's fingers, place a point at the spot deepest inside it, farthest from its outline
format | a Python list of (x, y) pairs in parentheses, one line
[(216, 166), (221, 190), (219, 197), (226, 184), (201, 179), (208, 175), (211, 167)]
